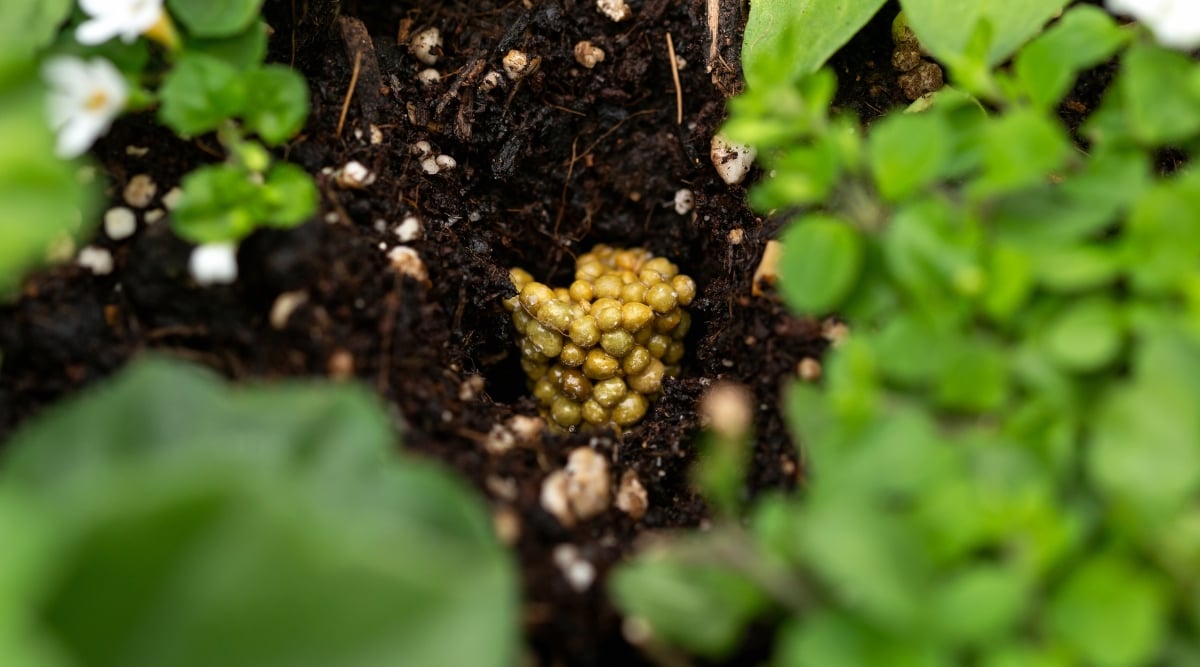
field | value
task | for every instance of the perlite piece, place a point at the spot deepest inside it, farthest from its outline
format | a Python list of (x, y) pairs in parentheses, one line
[(596, 353)]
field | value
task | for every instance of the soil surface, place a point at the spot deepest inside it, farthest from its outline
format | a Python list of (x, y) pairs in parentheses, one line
[(547, 166)]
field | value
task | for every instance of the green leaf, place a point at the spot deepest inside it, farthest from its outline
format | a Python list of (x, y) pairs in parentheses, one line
[(788, 38), (276, 103), (1020, 655), (832, 638), (215, 18), (1010, 281), (290, 194), (1086, 203), (974, 376), (784, 114), (41, 198), (1161, 244), (219, 203), (1110, 613), (822, 257), (1143, 447), (907, 152), (1020, 149), (945, 27), (244, 50), (200, 93), (200, 525), (930, 250), (26, 27), (871, 561), (903, 347), (1075, 267), (802, 175), (981, 603), (1084, 37), (1087, 336), (25, 570), (688, 597), (1159, 91)]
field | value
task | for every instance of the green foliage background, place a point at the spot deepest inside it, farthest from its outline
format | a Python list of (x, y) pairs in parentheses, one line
[(166, 518), (1004, 455)]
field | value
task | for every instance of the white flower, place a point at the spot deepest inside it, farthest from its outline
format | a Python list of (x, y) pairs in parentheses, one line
[(85, 97), (1174, 23), (214, 263), (109, 18)]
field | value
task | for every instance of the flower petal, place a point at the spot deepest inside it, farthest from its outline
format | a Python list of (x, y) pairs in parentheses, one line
[(96, 31), (78, 135)]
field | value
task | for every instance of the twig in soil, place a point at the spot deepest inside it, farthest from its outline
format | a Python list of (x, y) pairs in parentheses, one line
[(562, 201), (714, 30), (292, 59), (387, 328), (349, 92), (675, 77)]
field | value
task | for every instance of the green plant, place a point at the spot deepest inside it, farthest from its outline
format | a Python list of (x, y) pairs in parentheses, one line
[(203, 63), (165, 518), (1005, 453)]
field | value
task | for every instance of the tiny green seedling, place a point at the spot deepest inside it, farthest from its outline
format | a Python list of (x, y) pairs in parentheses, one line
[(204, 62)]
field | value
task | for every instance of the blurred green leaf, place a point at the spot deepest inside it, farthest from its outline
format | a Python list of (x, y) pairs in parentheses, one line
[(974, 376), (945, 26), (688, 598), (822, 257), (41, 199), (202, 525), (290, 195), (1086, 336), (1010, 281), (276, 103), (1084, 37), (218, 204), (1020, 149), (1161, 244), (805, 174), (904, 345), (199, 93), (25, 570), (981, 604), (870, 560), (26, 27), (1143, 447), (787, 38), (1075, 267), (1086, 203), (1111, 613), (907, 152), (215, 18), (931, 253), (1160, 90), (1021, 655), (244, 50), (835, 639)]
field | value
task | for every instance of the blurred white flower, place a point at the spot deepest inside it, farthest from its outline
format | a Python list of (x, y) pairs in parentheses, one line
[(85, 97), (109, 18), (214, 263), (1174, 23)]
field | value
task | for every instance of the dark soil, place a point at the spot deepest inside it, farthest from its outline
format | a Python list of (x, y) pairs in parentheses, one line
[(546, 167)]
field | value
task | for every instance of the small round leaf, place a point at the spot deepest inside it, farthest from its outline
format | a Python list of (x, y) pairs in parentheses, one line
[(822, 259)]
